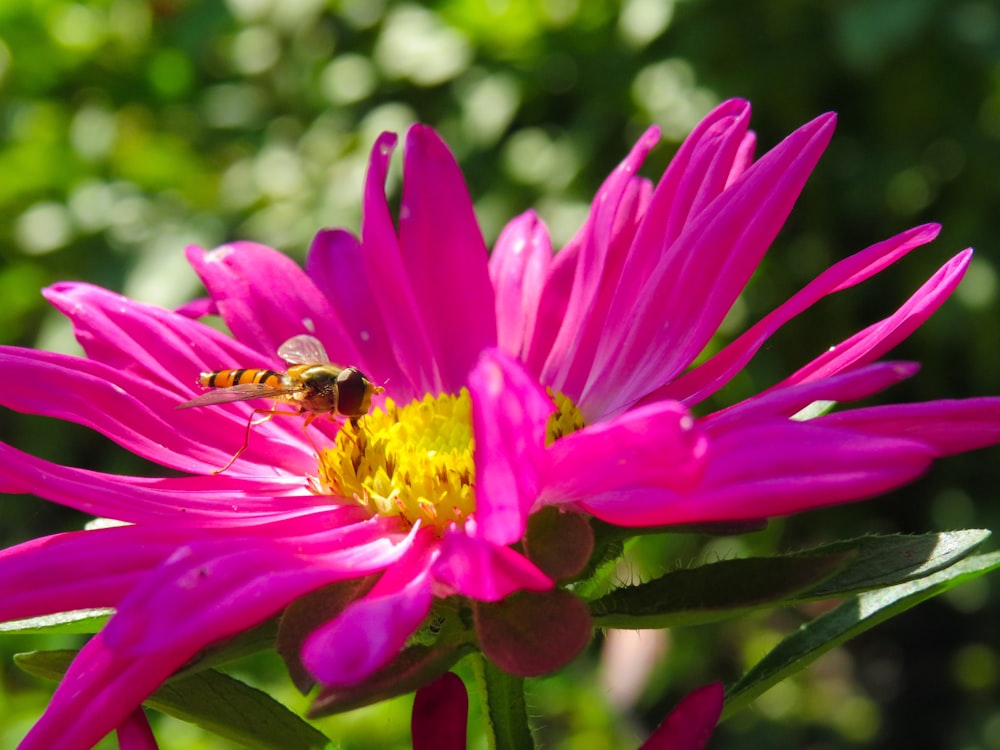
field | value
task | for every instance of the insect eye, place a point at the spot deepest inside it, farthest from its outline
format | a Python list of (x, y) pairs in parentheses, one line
[(353, 392)]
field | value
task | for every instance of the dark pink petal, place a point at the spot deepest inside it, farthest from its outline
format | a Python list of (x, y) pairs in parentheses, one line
[(201, 595), (604, 243), (705, 379), (652, 337), (372, 630), (769, 469), (789, 400), (654, 446), (518, 268), (484, 571), (440, 714), (265, 299), (947, 427), (509, 416), (336, 266), (135, 733), (875, 340), (401, 314), (689, 726), (445, 256)]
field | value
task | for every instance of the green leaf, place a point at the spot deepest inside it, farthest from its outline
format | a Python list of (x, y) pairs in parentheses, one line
[(854, 616), (80, 621), (232, 709), (211, 699), (729, 588)]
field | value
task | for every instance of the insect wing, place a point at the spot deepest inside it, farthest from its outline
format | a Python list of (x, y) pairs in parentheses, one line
[(303, 350), (242, 392)]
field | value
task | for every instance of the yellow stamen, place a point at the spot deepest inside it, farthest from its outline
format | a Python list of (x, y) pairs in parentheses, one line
[(416, 461)]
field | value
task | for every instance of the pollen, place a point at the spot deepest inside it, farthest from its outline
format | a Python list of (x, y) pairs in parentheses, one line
[(417, 461)]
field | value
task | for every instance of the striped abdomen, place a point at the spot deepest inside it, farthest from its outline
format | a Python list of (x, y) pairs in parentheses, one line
[(227, 378)]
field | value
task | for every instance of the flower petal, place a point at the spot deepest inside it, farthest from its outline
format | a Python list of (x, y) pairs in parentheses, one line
[(201, 595), (654, 335), (707, 378), (148, 361), (604, 243), (182, 500), (336, 266), (875, 340), (445, 256), (509, 416), (265, 299), (440, 714), (789, 400), (373, 629), (655, 446), (947, 427), (81, 569), (484, 571), (403, 318), (689, 726), (135, 733), (518, 268), (772, 468)]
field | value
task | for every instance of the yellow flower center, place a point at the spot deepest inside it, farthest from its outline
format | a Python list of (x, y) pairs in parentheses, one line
[(416, 461)]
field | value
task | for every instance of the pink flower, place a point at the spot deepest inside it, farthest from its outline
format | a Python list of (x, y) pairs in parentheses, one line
[(572, 371)]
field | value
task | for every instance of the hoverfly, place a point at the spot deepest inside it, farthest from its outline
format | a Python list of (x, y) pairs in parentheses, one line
[(311, 385)]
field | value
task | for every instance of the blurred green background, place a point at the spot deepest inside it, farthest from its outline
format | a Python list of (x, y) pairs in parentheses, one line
[(131, 128)]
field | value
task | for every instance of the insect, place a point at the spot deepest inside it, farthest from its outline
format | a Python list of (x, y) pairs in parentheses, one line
[(311, 386)]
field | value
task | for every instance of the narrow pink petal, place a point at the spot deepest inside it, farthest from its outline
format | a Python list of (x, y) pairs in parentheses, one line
[(711, 158), (654, 336), (401, 311), (619, 252), (518, 268), (690, 725), (135, 733), (875, 340), (771, 469), (265, 299), (552, 302), (948, 427), (445, 256), (474, 567), (440, 714), (705, 379), (372, 630), (198, 308), (202, 595), (604, 243), (80, 570), (789, 400), (195, 501), (336, 266), (509, 416), (657, 446)]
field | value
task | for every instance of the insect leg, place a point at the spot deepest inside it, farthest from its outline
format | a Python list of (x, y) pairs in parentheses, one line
[(246, 436)]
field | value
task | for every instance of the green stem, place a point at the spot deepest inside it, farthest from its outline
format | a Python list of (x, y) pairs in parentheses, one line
[(502, 698)]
